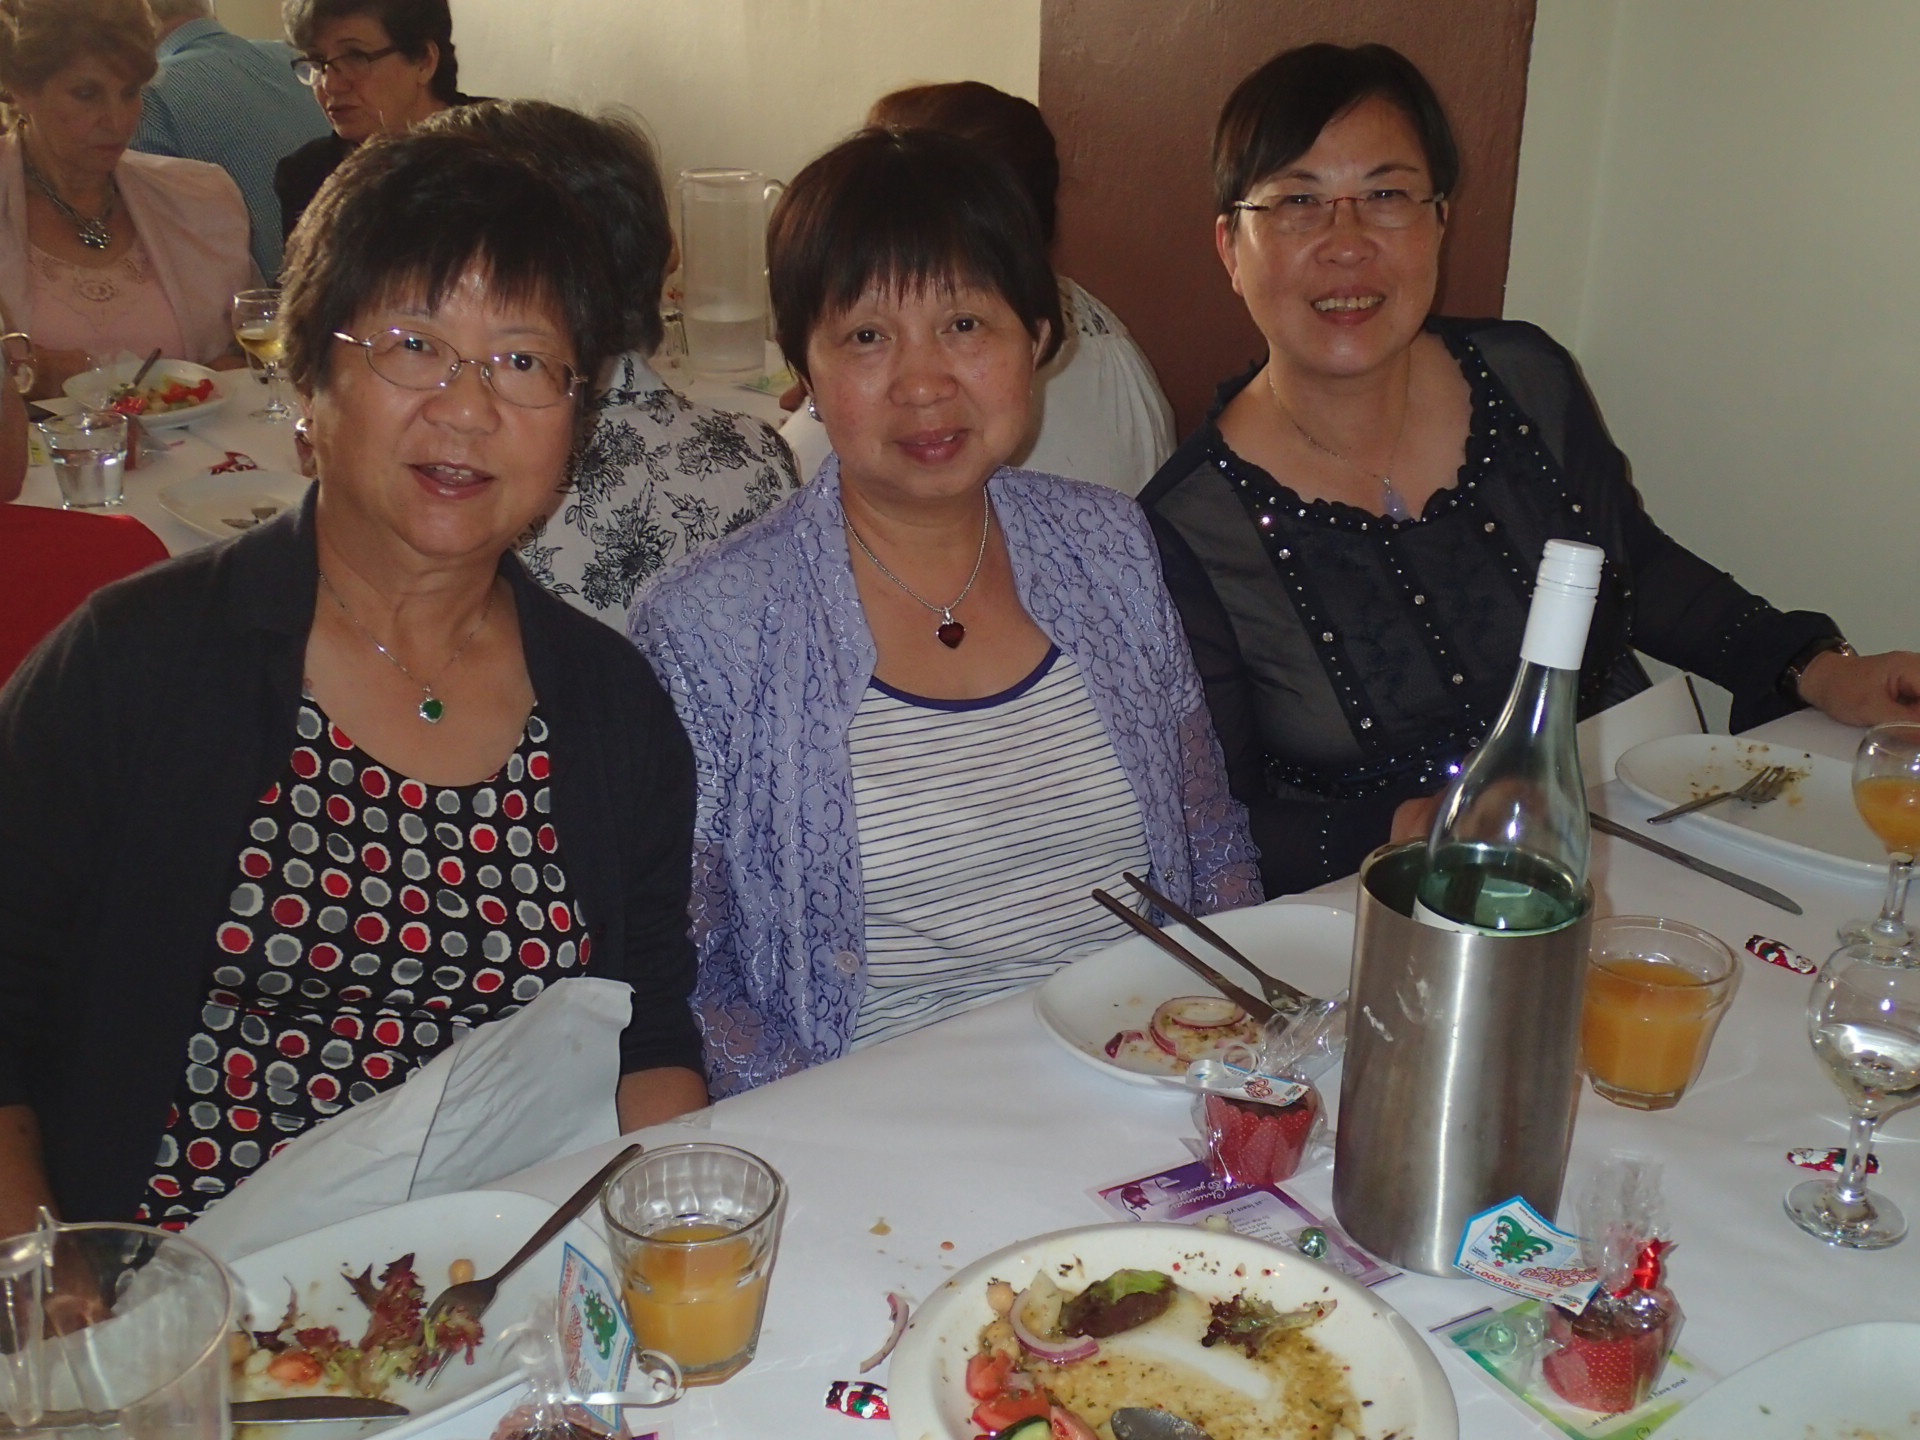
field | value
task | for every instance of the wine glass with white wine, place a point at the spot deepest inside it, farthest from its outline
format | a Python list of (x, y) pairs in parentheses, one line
[(256, 325), (1886, 792), (1864, 1021)]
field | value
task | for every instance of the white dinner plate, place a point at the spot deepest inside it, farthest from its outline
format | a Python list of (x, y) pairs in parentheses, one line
[(1084, 1004), (1390, 1365), (484, 1226), (222, 506), (1813, 822), (1859, 1382), (92, 387)]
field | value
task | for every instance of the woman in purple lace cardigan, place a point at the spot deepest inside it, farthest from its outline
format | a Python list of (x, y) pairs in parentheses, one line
[(934, 700)]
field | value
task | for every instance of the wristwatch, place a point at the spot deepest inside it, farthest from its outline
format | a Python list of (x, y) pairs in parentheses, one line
[(1789, 682), (16, 348)]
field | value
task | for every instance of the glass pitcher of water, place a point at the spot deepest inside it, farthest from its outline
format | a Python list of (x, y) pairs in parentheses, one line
[(723, 249)]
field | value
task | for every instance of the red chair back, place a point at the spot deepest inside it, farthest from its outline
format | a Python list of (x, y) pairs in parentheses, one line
[(51, 560)]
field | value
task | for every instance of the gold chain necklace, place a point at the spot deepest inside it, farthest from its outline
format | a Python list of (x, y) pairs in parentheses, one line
[(431, 706), (950, 632), (1392, 504)]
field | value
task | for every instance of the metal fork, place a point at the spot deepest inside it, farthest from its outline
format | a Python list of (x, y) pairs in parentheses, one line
[(1760, 788), (474, 1296)]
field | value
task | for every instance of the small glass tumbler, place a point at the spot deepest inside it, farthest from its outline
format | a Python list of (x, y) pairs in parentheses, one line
[(694, 1229), (1656, 990), (89, 453)]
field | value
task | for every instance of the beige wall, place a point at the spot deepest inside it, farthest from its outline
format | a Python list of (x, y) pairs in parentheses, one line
[(1718, 209), (258, 18), (764, 84)]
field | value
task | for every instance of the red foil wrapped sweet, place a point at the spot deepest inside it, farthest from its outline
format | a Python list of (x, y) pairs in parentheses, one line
[(1609, 1356), (1252, 1143)]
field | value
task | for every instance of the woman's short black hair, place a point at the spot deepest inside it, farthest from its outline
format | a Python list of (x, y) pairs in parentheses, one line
[(1012, 128), (1275, 115), (411, 25), (407, 215), (906, 210), (608, 166)]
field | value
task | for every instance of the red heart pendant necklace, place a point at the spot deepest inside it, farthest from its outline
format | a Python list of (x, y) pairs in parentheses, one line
[(950, 632)]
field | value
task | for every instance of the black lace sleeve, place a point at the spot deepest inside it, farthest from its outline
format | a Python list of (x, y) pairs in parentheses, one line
[(1303, 842)]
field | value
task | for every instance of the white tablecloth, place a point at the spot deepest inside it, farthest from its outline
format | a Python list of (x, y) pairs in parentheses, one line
[(981, 1131), (188, 451)]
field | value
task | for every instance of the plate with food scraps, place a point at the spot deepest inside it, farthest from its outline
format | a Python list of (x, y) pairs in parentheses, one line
[(318, 1275), (1857, 1382), (225, 505), (1136, 1013), (175, 392), (1299, 1351), (1813, 821)]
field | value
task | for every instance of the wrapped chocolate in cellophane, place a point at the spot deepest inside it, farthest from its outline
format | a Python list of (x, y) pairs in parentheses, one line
[(1610, 1355), (1256, 1106)]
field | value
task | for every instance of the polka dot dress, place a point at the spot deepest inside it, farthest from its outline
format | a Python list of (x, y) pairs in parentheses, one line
[(372, 920)]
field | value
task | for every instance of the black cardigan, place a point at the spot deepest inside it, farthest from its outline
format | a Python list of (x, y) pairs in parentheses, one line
[(134, 745), (1333, 661)]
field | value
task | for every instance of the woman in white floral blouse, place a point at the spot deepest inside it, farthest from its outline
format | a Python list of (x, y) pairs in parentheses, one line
[(658, 475)]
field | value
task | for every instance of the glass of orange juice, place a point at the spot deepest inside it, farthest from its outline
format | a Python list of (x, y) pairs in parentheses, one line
[(694, 1229), (1656, 990), (1886, 792)]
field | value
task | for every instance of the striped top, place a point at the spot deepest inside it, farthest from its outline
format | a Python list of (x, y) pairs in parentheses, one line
[(983, 825)]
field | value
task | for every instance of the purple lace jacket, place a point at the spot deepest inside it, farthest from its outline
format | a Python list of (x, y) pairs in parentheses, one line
[(763, 644)]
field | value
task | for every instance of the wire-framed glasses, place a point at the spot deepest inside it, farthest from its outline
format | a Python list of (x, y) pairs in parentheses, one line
[(414, 360), (348, 65), (1302, 213)]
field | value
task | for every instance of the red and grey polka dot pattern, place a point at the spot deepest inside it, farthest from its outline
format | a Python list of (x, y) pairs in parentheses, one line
[(372, 919)]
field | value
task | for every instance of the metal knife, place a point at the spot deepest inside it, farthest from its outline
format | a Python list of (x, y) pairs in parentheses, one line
[(1698, 866), (1250, 1003), (281, 1410)]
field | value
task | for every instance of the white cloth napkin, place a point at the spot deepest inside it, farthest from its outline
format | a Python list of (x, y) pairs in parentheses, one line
[(514, 1093)]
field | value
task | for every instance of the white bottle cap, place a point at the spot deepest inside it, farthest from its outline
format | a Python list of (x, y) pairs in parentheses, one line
[(1563, 595)]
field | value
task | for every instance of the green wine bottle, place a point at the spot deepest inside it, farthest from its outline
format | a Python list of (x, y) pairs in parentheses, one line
[(1509, 845)]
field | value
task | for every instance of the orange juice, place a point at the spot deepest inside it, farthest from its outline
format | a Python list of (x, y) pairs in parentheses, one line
[(1645, 1029), (696, 1294), (1890, 804)]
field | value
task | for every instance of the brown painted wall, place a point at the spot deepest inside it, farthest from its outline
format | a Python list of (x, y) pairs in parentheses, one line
[(1132, 88)]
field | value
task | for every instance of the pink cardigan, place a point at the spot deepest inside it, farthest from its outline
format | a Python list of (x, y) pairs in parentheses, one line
[(195, 225)]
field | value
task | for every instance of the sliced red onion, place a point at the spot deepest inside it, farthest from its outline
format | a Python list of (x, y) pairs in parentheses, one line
[(1121, 1039), (897, 1306), (1063, 1351), (1200, 1013)]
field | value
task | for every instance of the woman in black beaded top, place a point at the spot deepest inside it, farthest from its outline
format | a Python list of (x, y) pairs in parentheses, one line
[(1351, 534)]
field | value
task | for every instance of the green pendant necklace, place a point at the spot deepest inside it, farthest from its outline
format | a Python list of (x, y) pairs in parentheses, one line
[(431, 706)]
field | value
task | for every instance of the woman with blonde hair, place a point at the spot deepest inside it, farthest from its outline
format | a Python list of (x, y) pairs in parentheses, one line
[(103, 249)]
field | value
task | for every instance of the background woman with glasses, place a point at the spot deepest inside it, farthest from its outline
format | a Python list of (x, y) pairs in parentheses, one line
[(1351, 534), (281, 818), (376, 67)]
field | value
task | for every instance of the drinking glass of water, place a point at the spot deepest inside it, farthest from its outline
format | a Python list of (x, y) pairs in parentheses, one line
[(89, 453)]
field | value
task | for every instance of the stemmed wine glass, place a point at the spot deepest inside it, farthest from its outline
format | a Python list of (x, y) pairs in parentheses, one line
[(1864, 1021), (1886, 791), (256, 325)]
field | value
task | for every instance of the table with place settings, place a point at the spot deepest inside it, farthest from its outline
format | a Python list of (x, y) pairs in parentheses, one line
[(909, 1160)]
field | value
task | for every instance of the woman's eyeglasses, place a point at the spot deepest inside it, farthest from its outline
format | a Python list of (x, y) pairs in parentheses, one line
[(1304, 213), (348, 65), (416, 361)]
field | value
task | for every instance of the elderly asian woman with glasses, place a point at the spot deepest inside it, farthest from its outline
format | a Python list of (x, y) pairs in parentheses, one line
[(280, 819), (1352, 533)]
